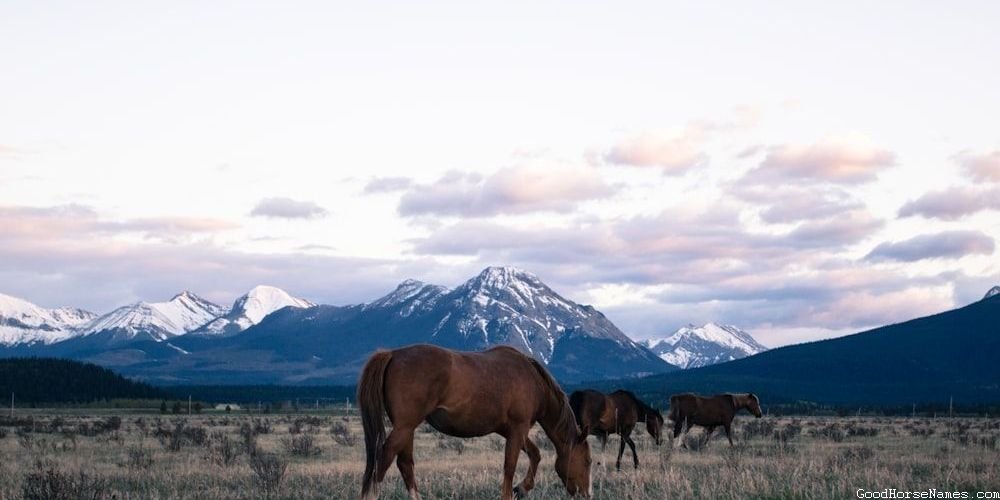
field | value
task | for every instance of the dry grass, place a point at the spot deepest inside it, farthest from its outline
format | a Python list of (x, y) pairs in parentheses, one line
[(321, 456)]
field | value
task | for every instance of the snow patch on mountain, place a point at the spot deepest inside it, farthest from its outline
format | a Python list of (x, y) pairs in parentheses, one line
[(410, 296), (159, 320), (507, 305), (22, 322), (992, 292), (251, 308), (695, 346)]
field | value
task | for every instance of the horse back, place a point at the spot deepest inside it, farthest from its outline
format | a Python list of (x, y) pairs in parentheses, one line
[(702, 410)]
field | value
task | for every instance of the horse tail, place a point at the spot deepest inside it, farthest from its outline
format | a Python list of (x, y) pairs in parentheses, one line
[(371, 401)]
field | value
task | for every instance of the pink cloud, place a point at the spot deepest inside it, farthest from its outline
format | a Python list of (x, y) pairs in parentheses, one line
[(673, 152), (981, 166), (953, 203), (834, 161), (520, 189)]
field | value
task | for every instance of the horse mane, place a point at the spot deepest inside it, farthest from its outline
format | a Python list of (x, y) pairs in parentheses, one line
[(566, 420), (644, 408)]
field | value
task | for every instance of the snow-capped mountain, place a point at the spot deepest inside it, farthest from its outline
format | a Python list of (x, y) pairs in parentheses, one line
[(190, 340), (250, 309), (22, 322), (412, 295), (992, 292), (506, 305), (499, 306), (695, 346), (158, 320)]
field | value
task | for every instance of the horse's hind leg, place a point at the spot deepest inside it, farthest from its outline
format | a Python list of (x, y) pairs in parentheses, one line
[(635, 458), (404, 462), (534, 457), (397, 441), (621, 450)]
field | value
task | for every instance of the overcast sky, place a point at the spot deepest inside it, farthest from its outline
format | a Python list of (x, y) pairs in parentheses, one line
[(798, 169)]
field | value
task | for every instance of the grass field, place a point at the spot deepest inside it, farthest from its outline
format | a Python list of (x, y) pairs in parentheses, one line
[(49, 454)]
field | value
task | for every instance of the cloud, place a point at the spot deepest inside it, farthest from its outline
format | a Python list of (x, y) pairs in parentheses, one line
[(679, 245), (287, 208), (387, 184), (675, 152), (981, 166), (511, 190), (75, 219), (943, 245), (843, 229), (953, 203), (64, 256), (794, 203), (834, 160)]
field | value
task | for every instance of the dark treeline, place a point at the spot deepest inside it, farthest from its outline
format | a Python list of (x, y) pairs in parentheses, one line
[(50, 380), (251, 394)]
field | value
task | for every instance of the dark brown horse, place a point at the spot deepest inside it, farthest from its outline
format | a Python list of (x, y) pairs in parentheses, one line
[(710, 411), (467, 394), (615, 413)]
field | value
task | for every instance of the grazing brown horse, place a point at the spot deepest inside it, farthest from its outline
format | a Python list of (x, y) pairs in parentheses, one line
[(615, 413), (710, 411), (467, 394)]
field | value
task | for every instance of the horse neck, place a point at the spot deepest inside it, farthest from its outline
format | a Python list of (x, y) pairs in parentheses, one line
[(558, 423), (642, 411), (740, 403)]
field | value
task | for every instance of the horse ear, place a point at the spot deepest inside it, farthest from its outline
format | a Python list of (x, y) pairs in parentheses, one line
[(584, 432)]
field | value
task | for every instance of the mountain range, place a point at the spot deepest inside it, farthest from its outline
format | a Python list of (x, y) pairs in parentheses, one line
[(269, 336), (23, 324), (950, 356), (696, 346)]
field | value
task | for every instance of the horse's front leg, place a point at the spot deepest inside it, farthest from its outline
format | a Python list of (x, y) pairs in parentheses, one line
[(515, 441), (534, 457), (708, 435)]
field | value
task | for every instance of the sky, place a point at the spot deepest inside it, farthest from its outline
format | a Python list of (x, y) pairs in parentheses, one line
[(799, 169)]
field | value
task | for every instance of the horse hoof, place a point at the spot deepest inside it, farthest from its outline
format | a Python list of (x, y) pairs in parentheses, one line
[(518, 492)]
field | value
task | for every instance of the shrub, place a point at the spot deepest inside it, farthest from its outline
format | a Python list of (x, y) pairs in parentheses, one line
[(342, 434), (174, 439), (694, 442), (223, 450), (302, 445), (269, 470), (857, 431), (787, 433), (446, 442), (831, 432), (542, 441), (139, 458), (49, 483), (762, 428), (249, 436), (25, 439)]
